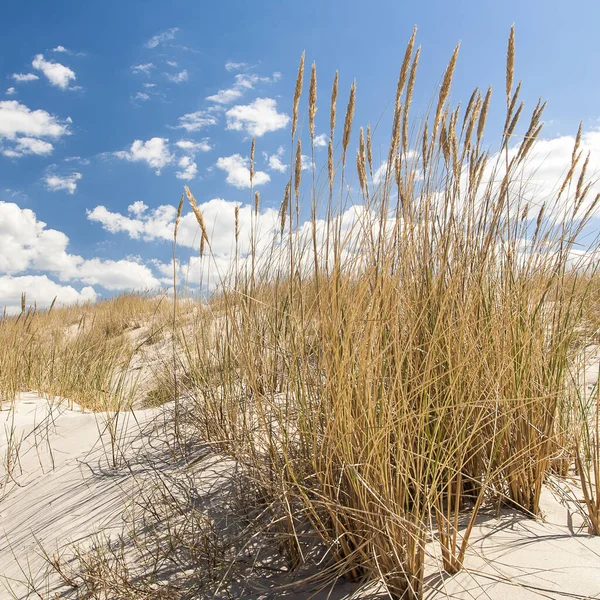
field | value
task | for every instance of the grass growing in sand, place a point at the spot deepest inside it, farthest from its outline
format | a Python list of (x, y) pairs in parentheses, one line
[(381, 373)]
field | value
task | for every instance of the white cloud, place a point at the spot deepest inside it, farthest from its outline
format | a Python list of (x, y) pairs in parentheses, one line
[(57, 74), (178, 77), (189, 168), (146, 224), (22, 128), (171, 63), (197, 120), (27, 145), (60, 49), (238, 171), (142, 96), (41, 290), (116, 274), (165, 36), (243, 82), (274, 160), (321, 141), (226, 96), (138, 208), (256, 118), (27, 245), (154, 152), (24, 77), (219, 216), (149, 85), (235, 66), (67, 183), (143, 68), (17, 119), (192, 147), (11, 91)]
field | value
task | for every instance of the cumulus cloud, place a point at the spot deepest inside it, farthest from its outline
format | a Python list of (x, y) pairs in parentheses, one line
[(22, 128), (274, 160), (57, 74), (11, 91), (219, 215), (192, 147), (154, 152), (17, 119), (178, 77), (24, 77), (143, 68), (243, 82), (67, 183), (238, 171), (140, 223), (197, 120), (257, 118), (60, 49), (188, 167), (165, 36), (28, 245), (41, 290)]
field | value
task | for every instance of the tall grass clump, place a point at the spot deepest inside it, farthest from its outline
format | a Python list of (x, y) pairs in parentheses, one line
[(401, 358), (79, 353)]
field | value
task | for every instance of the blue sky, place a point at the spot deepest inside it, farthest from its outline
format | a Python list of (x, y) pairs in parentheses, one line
[(108, 108)]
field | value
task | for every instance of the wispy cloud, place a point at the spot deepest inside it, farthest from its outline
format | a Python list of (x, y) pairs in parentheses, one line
[(141, 96), (165, 36), (191, 146), (243, 82), (197, 120), (235, 66), (178, 77), (143, 68), (11, 91)]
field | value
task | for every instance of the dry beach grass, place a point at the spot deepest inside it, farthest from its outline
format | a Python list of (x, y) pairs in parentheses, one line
[(382, 377)]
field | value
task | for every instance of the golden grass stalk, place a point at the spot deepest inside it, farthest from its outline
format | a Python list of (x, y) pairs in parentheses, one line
[(348, 121), (297, 94), (312, 102)]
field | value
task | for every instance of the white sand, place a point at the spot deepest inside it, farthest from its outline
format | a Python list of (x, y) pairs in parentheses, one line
[(63, 490)]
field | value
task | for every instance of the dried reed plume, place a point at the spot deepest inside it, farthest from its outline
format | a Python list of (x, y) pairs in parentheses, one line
[(197, 214), (297, 94), (510, 63), (370, 150), (348, 121), (178, 217), (409, 94), (312, 102), (284, 206), (444, 91)]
